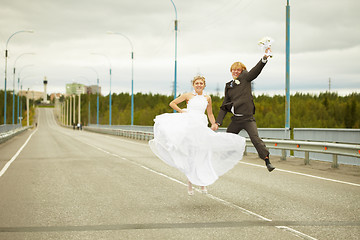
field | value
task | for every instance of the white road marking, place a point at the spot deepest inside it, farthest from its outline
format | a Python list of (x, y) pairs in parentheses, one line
[(296, 233), (304, 174), (227, 203), (251, 164), (256, 165), (7, 165)]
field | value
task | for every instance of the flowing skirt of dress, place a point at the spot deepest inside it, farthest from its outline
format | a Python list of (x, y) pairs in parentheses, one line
[(184, 141)]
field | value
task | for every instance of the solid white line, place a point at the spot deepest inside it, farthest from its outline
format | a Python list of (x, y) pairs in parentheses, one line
[(295, 232), (227, 203), (256, 165), (304, 174), (7, 165), (248, 212)]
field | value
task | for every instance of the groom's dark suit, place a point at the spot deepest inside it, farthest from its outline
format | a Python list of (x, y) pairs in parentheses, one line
[(239, 101)]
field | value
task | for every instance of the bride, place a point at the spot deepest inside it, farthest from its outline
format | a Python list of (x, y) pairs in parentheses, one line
[(184, 140)]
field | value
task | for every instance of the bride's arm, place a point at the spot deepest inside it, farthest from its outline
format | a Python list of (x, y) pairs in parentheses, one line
[(210, 114), (174, 103)]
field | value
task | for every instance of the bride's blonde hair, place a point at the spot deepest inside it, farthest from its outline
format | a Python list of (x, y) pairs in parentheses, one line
[(197, 78)]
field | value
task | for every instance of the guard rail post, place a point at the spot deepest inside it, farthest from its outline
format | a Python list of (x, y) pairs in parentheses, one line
[(335, 161), (283, 155), (307, 158)]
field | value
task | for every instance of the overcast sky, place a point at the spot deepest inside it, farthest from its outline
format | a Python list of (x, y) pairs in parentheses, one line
[(325, 43)]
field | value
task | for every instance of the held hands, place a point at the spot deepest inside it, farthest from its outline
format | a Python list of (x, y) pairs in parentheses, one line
[(214, 127)]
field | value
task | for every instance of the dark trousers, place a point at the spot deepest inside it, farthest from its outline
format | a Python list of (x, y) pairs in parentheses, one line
[(248, 123)]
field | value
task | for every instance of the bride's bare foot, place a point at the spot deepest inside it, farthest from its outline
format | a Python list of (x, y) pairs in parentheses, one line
[(204, 189), (190, 189)]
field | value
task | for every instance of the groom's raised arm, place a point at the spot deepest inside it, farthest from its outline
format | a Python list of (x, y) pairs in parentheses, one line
[(256, 70)]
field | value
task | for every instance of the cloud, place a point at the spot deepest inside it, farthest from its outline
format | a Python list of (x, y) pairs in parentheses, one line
[(212, 35)]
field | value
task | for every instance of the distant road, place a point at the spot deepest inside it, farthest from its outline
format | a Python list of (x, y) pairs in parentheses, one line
[(59, 183)]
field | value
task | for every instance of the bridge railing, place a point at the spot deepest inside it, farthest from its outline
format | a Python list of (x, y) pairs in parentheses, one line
[(10, 130), (335, 149), (9, 127), (284, 145)]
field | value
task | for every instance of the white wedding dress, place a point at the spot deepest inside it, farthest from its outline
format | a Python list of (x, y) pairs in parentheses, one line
[(184, 141)]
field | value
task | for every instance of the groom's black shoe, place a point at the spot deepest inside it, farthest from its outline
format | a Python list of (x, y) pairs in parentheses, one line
[(268, 164), (270, 167)]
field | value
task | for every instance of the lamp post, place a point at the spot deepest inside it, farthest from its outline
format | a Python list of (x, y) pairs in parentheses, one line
[(67, 112), (97, 95), (27, 107), (287, 88), (132, 74), (6, 56), (79, 109), (20, 80), (88, 93), (14, 73), (20, 83), (110, 84), (74, 109), (71, 118), (176, 28)]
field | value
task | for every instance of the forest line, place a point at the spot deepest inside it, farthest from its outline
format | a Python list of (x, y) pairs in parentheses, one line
[(325, 110)]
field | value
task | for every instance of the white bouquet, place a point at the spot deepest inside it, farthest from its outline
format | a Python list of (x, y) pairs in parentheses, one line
[(265, 45)]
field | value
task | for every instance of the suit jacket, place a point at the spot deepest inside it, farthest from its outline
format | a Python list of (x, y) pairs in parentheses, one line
[(240, 95)]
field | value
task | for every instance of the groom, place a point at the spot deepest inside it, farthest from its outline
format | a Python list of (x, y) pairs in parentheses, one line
[(239, 101)]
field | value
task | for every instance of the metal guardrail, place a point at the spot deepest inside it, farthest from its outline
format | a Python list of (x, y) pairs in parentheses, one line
[(4, 136), (335, 149), (352, 150), (9, 127), (139, 135)]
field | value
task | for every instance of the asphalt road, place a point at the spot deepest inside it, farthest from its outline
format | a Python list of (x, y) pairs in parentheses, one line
[(59, 183)]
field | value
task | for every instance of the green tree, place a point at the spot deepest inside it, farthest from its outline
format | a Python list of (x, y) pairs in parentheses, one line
[(325, 110)]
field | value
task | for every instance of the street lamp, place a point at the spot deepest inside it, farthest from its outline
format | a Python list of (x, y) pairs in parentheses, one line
[(19, 74), (6, 56), (110, 84), (97, 95), (88, 93), (287, 88), (176, 28), (14, 73), (132, 74), (28, 86)]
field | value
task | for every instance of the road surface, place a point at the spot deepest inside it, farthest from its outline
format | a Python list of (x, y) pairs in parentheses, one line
[(60, 183)]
